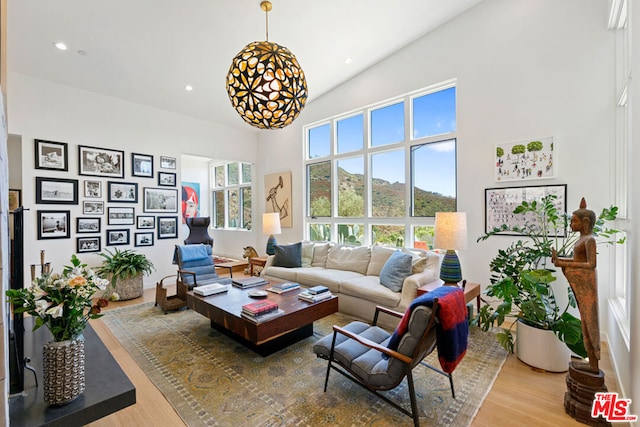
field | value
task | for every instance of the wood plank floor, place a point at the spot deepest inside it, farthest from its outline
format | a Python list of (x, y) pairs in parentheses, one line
[(521, 395)]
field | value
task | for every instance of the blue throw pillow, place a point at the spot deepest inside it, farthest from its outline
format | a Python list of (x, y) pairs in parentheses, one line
[(395, 270), (289, 256)]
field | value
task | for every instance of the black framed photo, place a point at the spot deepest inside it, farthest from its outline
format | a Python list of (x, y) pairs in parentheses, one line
[(87, 225), (160, 200), (167, 227), (92, 207), (92, 189), (96, 161), (144, 238), (56, 191), (51, 155), (15, 199), (167, 179), (53, 224), (501, 202), (141, 165), (146, 222), (120, 216), (118, 237), (122, 192), (167, 162), (88, 244)]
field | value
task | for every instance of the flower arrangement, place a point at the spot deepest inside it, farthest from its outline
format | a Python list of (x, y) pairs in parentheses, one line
[(63, 302)]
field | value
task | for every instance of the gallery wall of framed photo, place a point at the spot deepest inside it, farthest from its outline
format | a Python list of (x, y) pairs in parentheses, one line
[(111, 197)]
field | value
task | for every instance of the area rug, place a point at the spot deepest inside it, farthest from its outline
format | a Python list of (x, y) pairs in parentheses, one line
[(212, 380)]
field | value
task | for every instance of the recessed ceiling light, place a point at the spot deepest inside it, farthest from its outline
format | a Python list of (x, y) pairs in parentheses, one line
[(348, 61), (82, 52), (60, 45), (188, 88)]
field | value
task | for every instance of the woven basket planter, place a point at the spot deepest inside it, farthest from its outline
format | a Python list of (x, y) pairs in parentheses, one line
[(130, 288), (63, 366)]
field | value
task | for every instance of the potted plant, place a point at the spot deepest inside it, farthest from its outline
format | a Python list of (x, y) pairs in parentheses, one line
[(521, 278), (125, 269)]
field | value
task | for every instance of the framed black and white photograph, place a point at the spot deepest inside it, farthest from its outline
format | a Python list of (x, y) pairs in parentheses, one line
[(56, 191), (92, 207), (167, 227), (160, 200), (144, 238), (53, 224), (501, 202), (15, 199), (141, 165), (88, 244), (122, 192), (51, 155), (118, 237), (88, 225), (92, 189), (96, 161), (120, 216), (146, 222), (167, 162), (167, 179)]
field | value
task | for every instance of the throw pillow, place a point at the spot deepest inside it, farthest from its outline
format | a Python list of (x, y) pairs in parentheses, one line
[(289, 256), (320, 252), (395, 270), (307, 253)]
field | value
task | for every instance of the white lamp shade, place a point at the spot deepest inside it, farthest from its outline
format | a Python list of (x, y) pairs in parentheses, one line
[(451, 230), (271, 223)]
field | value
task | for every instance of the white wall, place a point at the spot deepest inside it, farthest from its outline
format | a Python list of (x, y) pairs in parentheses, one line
[(40, 109)]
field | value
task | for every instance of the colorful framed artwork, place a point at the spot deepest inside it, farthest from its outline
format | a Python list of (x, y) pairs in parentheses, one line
[(144, 238), (167, 162), (15, 199), (92, 189), (525, 160), (145, 222), (501, 202), (56, 191), (51, 155), (88, 244), (120, 216), (277, 187), (53, 224), (160, 200), (122, 192), (118, 237), (92, 207), (166, 179), (87, 225), (94, 161), (190, 200), (167, 227), (141, 165)]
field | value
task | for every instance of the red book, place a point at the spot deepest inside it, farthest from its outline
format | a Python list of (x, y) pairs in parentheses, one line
[(260, 307)]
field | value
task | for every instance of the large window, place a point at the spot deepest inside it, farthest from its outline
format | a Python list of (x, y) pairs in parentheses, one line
[(231, 195), (379, 175)]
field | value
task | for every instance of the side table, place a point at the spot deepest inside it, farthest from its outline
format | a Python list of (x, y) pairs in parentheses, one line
[(471, 290), (231, 265), (259, 261)]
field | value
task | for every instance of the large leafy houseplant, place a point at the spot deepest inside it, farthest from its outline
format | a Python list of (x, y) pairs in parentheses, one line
[(521, 278), (121, 265)]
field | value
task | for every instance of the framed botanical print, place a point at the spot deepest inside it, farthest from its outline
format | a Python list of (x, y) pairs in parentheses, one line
[(144, 238), (96, 161), (87, 225), (56, 191), (92, 207), (120, 216), (88, 244), (160, 200), (118, 237), (53, 224), (141, 165), (122, 192), (167, 227), (51, 155)]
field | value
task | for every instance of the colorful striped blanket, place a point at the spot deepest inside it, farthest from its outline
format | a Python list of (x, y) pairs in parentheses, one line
[(452, 329)]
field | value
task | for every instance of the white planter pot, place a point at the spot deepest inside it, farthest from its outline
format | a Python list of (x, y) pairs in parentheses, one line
[(541, 349)]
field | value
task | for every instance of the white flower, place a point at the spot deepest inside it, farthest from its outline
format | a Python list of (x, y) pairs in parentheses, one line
[(38, 293), (56, 311), (41, 306)]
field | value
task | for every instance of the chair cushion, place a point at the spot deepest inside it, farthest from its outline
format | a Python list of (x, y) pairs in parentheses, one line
[(395, 270), (289, 256), (189, 253)]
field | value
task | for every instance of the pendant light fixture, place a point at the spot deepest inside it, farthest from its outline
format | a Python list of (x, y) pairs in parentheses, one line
[(266, 84)]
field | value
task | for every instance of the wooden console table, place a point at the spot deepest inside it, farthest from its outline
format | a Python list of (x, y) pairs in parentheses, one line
[(471, 290)]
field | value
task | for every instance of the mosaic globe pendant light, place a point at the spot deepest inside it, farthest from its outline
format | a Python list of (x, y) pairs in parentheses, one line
[(266, 84)]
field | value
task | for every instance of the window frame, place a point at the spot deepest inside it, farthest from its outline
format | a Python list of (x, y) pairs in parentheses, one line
[(226, 190)]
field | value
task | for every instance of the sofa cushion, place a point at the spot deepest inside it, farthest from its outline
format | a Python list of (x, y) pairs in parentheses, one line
[(332, 279), (395, 270), (320, 252), (423, 260), (289, 256), (281, 273), (307, 253), (379, 255), (369, 288), (350, 258)]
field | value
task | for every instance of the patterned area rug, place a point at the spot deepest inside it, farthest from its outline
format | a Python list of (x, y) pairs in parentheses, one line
[(212, 380)]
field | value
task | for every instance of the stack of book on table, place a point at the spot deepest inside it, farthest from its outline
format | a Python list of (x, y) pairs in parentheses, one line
[(281, 288), (214, 288), (261, 311), (248, 282), (315, 294)]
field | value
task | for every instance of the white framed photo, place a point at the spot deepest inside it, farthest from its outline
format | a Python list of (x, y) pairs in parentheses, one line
[(92, 207), (96, 161), (122, 192), (160, 200), (88, 244), (87, 225), (144, 238), (146, 222), (120, 216), (141, 165), (118, 237), (525, 160), (167, 162), (92, 189), (167, 227)]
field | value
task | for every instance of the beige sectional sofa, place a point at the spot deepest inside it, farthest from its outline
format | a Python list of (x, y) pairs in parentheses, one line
[(353, 274)]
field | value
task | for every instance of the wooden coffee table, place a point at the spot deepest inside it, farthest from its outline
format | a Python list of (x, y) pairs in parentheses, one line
[(268, 337)]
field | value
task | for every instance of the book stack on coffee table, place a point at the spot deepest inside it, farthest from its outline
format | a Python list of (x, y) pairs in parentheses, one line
[(261, 311), (315, 294), (281, 288)]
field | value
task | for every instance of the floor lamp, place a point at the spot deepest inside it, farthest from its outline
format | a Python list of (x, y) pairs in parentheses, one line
[(271, 226), (451, 234)]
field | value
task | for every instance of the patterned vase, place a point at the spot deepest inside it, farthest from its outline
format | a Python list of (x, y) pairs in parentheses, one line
[(63, 365)]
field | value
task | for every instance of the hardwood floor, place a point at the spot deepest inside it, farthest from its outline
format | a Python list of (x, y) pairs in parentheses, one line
[(521, 395)]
